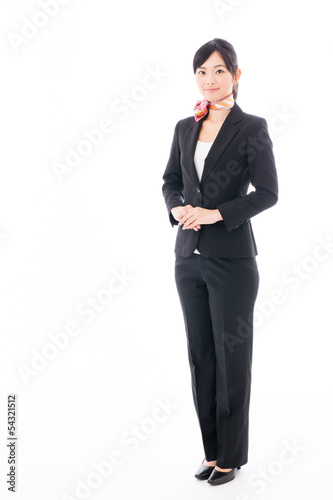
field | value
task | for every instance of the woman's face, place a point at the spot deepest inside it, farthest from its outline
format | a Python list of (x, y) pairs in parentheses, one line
[(213, 79)]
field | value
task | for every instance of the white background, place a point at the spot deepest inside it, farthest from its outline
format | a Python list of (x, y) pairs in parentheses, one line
[(62, 240)]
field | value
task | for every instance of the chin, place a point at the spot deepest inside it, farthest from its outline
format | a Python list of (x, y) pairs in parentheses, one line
[(214, 97)]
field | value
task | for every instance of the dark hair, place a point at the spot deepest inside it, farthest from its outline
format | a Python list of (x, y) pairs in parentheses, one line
[(226, 51)]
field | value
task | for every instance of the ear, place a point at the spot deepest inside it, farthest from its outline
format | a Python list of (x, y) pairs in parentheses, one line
[(237, 77)]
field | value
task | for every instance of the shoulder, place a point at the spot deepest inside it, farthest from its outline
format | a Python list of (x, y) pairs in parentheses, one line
[(237, 117), (252, 120), (185, 123)]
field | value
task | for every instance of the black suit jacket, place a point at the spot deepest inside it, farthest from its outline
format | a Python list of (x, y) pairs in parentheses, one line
[(242, 154)]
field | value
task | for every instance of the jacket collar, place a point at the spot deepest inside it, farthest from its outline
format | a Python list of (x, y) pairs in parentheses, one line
[(226, 133)]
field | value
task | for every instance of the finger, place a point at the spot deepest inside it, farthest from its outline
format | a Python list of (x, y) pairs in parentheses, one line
[(184, 218), (187, 209), (186, 223), (190, 223)]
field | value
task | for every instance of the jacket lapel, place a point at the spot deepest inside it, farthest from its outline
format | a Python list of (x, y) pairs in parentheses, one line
[(223, 138)]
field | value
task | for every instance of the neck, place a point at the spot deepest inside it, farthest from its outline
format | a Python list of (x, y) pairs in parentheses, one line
[(217, 115)]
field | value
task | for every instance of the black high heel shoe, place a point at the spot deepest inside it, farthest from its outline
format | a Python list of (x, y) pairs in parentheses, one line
[(204, 471), (219, 477)]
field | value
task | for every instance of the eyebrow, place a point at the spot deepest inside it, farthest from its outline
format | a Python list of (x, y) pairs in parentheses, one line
[(203, 67)]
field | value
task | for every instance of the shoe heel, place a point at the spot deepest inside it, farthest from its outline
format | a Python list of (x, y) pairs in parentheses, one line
[(238, 467)]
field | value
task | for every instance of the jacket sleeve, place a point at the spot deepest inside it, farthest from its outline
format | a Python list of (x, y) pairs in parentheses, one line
[(263, 177), (173, 188)]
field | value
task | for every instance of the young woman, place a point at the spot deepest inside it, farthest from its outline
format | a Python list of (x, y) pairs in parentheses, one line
[(215, 156)]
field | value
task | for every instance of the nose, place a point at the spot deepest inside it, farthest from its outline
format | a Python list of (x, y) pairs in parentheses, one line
[(210, 80)]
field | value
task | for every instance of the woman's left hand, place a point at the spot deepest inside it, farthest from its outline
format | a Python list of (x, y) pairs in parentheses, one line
[(199, 215)]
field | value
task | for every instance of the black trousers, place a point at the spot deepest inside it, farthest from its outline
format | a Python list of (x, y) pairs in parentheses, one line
[(217, 297)]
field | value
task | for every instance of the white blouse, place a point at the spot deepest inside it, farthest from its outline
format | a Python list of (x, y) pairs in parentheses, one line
[(201, 151)]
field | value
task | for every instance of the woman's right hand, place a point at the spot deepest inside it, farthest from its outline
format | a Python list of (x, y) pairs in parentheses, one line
[(178, 212)]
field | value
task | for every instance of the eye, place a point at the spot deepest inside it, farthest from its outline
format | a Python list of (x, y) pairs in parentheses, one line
[(201, 72), (219, 71)]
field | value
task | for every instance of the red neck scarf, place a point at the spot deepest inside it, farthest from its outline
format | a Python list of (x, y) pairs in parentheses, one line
[(201, 108)]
